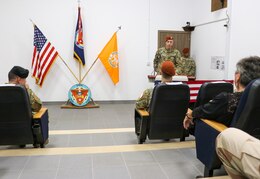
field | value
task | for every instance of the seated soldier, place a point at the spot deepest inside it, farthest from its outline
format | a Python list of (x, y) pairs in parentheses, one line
[(167, 70), (186, 65), (143, 102), (17, 75)]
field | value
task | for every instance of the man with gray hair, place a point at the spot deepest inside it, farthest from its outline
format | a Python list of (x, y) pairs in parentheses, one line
[(223, 106)]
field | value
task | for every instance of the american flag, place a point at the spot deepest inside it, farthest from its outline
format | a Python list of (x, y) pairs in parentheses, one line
[(44, 54)]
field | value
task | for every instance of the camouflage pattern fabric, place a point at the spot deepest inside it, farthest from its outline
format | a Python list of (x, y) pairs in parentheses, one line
[(144, 100), (35, 102), (186, 66), (162, 55), (240, 153)]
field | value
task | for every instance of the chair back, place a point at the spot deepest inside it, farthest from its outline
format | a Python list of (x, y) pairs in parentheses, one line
[(204, 135), (209, 90), (15, 116), (247, 116), (167, 110)]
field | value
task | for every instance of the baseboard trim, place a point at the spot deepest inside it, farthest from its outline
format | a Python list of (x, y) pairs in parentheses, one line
[(98, 102)]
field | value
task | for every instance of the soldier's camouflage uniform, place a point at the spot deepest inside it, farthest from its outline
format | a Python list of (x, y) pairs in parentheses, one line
[(240, 153), (144, 100), (186, 66), (163, 54), (35, 102)]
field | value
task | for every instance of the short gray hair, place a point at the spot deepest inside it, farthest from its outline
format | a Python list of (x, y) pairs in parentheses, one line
[(249, 69)]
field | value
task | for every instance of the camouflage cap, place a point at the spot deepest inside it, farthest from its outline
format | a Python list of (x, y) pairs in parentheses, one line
[(20, 71), (168, 68)]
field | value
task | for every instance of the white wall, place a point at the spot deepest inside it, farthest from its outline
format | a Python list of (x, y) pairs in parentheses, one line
[(244, 38), (240, 39), (137, 41), (208, 39)]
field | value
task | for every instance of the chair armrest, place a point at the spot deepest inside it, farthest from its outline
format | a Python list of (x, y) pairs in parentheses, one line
[(216, 125), (39, 114), (142, 112)]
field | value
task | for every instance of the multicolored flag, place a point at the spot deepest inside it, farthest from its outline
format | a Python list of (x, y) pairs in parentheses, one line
[(109, 58), (78, 42), (44, 54)]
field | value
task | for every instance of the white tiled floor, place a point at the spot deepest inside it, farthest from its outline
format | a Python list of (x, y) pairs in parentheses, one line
[(178, 163)]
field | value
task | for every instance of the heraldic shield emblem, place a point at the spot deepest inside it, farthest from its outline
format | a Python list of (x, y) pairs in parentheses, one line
[(79, 95)]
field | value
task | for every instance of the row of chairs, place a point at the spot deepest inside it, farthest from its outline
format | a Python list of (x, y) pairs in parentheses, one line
[(168, 108), (163, 120)]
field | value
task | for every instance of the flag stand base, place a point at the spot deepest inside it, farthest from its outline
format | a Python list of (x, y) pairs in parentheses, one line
[(69, 105)]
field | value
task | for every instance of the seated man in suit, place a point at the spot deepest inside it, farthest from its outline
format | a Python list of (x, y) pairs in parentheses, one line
[(239, 152), (17, 75)]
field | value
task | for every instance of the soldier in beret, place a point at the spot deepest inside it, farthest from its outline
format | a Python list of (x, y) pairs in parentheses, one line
[(166, 53), (187, 65), (143, 102), (17, 75), (167, 71)]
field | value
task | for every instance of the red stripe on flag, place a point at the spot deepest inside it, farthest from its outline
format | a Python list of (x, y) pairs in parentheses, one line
[(45, 60), (48, 67), (35, 69)]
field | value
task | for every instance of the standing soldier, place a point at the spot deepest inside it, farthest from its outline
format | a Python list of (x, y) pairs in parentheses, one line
[(187, 65), (166, 53)]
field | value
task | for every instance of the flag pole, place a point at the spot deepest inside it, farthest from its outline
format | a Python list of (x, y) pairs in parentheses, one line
[(79, 73), (69, 68), (119, 28), (79, 62), (88, 70)]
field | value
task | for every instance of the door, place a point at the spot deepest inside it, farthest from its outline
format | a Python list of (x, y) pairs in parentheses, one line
[(181, 39)]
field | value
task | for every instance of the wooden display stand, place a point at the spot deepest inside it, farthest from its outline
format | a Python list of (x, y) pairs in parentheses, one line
[(69, 105)]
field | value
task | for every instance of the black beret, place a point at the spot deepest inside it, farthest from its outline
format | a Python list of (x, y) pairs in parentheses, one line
[(20, 71)]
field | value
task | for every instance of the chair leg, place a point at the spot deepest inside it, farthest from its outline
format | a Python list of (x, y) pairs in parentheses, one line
[(42, 145), (22, 146), (141, 141), (207, 172), (182, 138), (35, 145)]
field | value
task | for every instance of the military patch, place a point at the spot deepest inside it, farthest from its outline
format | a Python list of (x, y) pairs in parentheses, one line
[(79, 95)]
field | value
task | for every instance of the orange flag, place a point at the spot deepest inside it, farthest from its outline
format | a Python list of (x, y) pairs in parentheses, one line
[(109, 58)]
